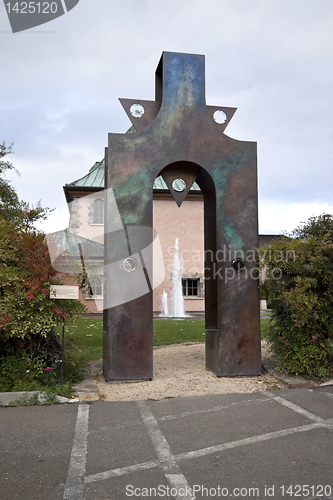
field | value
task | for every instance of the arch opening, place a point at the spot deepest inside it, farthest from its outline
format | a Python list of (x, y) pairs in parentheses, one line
[(195, 226)]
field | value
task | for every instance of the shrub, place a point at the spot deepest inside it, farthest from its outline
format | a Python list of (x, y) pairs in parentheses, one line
[(28, 368), (29, 345), (299, 271), (26, 310)]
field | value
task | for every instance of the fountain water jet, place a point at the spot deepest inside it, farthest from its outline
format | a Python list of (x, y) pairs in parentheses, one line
[(177, 299), (177, 307), (164, 305)]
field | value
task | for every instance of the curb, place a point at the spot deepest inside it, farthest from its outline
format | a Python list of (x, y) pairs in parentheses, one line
[(10, 398), (87, 389), (292, 381), (84, 391)]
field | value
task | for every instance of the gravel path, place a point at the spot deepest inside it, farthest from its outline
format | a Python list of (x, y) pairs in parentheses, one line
[(179, 371)]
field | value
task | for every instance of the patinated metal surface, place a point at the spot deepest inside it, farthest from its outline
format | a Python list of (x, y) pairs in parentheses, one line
[(178, 138)]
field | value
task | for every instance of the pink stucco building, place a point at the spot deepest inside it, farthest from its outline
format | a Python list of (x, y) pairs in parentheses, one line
[(85, 197)]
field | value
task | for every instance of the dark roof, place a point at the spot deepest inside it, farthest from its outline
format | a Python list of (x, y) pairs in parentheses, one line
[(160, 185), (66, 242), (94, 179), (68, 251)]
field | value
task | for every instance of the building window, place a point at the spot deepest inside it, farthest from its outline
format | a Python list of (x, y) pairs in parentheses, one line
[(191, 288), (98, 212), (96, 287)]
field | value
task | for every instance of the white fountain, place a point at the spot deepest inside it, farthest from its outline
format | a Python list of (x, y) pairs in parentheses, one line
[(164, 305), (177, 308)]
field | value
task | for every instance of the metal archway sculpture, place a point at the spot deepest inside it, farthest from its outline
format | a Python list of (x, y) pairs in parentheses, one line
[(179, 136)]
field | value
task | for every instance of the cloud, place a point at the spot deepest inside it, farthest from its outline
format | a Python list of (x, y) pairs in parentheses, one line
[(272, 60), (276, 218)]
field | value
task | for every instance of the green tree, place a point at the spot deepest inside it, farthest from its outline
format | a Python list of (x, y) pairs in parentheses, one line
[(9, 202), (27, 313), (28, 215), (17, 214), (299, 282)]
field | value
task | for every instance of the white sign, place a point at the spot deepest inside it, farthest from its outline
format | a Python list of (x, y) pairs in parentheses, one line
[(64, 292)]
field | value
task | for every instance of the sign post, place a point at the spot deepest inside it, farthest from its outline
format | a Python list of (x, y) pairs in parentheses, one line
[(63, 292)]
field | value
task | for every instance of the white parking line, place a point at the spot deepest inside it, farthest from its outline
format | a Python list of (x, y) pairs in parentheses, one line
[(323, 393), (212, 449), (77, 465), (169, 462), (295, 408), (243, 442), (184, 414), (210, 410), (169, 465), (121, 472)]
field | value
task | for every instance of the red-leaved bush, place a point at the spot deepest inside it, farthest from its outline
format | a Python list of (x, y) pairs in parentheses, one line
[(26, 310)]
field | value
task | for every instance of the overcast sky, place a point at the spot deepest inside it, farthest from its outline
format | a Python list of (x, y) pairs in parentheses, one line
[(272, 59)]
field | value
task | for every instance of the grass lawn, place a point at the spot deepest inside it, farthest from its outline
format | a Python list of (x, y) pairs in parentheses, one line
[(84, 338), (264, 325)]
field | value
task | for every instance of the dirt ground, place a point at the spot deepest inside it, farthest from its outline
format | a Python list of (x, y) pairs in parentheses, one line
[(179, 371)]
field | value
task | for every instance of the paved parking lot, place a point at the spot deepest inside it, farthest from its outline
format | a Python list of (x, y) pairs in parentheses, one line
[(254, 446)]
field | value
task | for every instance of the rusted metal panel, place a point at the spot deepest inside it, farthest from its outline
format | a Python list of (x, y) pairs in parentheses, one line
[(183, 141)]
